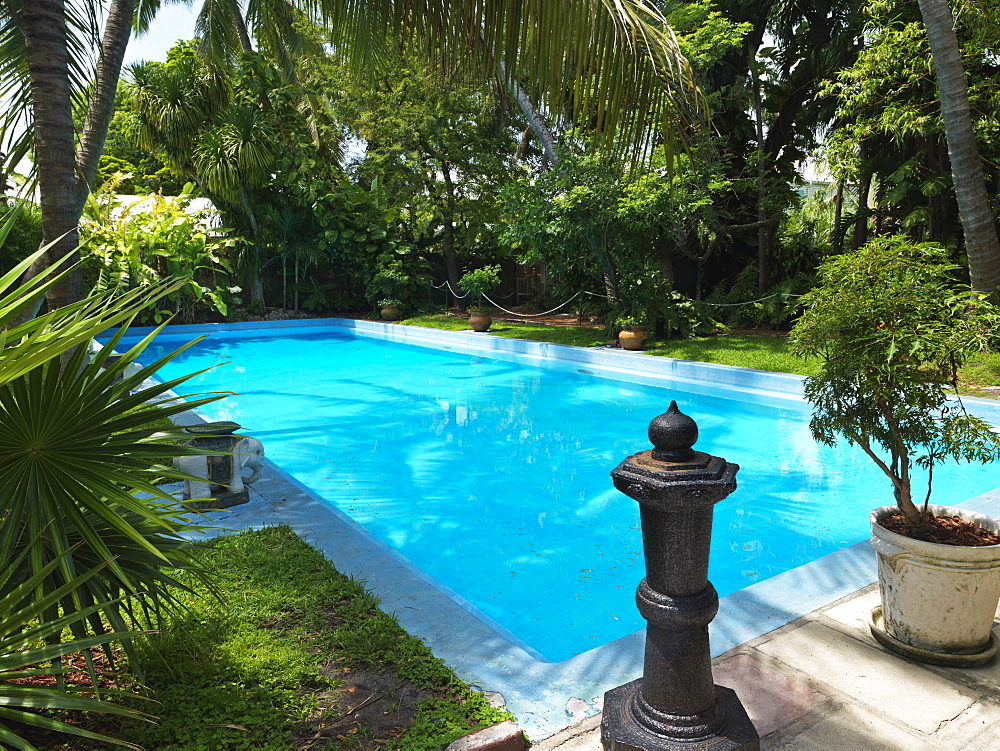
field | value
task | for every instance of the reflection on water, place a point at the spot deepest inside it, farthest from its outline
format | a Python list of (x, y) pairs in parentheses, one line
[(493, 478)]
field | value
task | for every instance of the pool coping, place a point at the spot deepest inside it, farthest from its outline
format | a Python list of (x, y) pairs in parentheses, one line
[(545, 696)]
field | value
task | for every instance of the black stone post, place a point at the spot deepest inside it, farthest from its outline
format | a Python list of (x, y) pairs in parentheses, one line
[(675, 705)]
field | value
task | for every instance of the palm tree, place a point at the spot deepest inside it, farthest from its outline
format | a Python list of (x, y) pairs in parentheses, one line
[(46, 66), (80, 547), (611, 63), (978, 223), (184, 109)]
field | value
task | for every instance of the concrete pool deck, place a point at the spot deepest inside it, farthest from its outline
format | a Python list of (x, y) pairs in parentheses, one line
[(548, 697), (821, 682)]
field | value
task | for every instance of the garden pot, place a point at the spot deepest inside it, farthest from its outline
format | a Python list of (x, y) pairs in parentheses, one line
[(480, 321), (631, 338), (390, 313), (938, 601)]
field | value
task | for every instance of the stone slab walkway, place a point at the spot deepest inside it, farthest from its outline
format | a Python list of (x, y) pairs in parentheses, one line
[(822, 682)]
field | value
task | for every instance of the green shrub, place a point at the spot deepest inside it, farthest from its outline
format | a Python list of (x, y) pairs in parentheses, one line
[(24, 236), (130, 246), (480, 281)]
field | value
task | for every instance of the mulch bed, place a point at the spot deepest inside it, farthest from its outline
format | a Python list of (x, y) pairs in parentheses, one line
[(944, 530)]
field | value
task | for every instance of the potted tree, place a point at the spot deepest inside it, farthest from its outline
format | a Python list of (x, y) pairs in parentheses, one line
[(384, 290), (891, 327), (477, 283), (631, 333), (389, 309)]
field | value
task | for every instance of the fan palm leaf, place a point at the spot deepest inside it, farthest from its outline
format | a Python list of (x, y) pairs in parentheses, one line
[(28, 345), (77, 471), (28, 639)]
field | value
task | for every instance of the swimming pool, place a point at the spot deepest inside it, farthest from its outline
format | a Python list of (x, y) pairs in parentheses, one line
[(491, 475)]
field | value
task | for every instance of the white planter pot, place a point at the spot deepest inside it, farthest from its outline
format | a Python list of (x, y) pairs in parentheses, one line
[(938, 599)]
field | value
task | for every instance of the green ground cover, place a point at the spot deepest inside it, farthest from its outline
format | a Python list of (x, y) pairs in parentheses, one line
[(761, 352), (291, 654), (979, 377)]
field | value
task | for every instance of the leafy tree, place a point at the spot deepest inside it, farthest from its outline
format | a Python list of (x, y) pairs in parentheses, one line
[(766, 110), (890, 323), (136, 170), (891, 134), (441, 145), (620, 48), (210, 127)]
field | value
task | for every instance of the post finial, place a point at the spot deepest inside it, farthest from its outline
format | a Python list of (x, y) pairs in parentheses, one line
[(673, 434)]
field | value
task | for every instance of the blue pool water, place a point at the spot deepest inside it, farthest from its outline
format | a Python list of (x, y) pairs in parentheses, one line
[(492, 476)]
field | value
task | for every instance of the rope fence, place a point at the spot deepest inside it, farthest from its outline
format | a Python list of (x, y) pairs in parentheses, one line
[(533, 315), (450, 289), (748, 302), (495, 304)]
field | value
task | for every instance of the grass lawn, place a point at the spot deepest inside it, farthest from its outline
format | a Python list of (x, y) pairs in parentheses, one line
[(761, 352), (980, 377), (294, 655)]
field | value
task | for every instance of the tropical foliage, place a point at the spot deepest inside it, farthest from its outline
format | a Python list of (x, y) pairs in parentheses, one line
[(152, 239), (30, 637), (82, 544)]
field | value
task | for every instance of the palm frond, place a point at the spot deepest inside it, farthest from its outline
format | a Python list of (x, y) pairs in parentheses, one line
[(23, 626), (611, 66)]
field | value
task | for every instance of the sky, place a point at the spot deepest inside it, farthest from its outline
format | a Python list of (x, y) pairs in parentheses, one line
[(173, 22)]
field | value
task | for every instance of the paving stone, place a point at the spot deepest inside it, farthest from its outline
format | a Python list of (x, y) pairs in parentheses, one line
[(771, 699), (850, 728), (583, 736), (980, 723), (584, 742), (855, 612), (505, 736), (988, 739), (884, 683), (495, 699), (576, 708)]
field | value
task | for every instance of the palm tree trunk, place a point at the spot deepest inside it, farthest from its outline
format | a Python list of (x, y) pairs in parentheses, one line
[(763, 231), (978, 223), (101, 106), (241, 29), (43, 24), (535, 120), (448, 217), (65, 175)]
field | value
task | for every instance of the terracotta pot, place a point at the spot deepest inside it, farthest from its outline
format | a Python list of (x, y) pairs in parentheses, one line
[(390, 313), (937, 600), (480, 321), (631, 338)]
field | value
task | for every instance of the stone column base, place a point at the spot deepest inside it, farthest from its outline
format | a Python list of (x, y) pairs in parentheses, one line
[(621, 730)]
